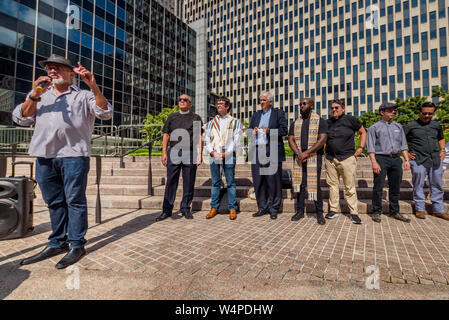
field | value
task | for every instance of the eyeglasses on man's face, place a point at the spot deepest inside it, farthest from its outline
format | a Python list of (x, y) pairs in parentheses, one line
[(427, 113), (57, 68), (184, 99), (335, 108)]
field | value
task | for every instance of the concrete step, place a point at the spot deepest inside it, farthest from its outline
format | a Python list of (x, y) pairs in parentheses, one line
[(246, 205)]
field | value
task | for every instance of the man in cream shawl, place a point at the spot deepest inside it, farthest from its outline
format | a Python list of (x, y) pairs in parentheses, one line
[(222, 138)]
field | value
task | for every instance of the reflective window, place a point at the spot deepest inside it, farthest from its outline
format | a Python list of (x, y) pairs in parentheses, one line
[(28, 15), (8, 37), (10, 8)]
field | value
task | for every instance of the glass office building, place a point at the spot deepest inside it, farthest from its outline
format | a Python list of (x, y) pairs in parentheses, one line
[(365, 51), (142, 55)]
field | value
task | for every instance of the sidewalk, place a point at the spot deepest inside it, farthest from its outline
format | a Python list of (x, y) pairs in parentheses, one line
[(129, 256)]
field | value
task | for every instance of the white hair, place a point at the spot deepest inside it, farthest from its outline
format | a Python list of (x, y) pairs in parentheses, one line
[(267, 95)]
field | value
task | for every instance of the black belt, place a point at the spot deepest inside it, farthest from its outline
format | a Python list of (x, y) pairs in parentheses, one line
[(391, 155)]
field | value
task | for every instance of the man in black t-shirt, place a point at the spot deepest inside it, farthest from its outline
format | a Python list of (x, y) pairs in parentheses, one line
[(341, 159), (183, 130), (310, 133)]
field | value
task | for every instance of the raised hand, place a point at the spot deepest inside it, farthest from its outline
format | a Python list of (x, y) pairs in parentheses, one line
[(85, 75)]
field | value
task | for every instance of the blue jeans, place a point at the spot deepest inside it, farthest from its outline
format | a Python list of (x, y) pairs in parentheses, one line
[(229, 171), (419, 173), (63, 184)]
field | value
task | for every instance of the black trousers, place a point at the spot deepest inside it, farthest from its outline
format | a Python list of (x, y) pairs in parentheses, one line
[(188, 169), (267, 187), (391, 167), (301, 196)]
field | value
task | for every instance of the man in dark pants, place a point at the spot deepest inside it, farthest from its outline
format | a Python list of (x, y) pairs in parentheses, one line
[(267, 174), (183, 130), (310, 133), (386, 140)]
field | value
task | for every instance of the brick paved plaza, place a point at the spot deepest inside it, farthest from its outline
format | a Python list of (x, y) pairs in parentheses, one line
[(150, 260)]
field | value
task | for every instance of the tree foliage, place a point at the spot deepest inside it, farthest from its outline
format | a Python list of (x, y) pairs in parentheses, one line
[(150, 130), (408, 109)]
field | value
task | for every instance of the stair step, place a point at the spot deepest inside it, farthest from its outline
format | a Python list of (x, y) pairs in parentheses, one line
[(246, 205)]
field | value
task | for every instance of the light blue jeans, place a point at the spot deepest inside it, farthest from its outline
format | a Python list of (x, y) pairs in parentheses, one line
[(229, 171), (419, 174)]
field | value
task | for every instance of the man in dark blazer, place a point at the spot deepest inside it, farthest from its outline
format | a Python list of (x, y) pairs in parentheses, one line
[(266, 155)]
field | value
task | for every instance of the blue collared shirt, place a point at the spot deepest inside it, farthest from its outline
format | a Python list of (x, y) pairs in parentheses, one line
[(264, 122), (63, 125)]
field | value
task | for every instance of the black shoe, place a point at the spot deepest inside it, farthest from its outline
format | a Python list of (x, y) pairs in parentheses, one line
[(274, 215), (400, 217), (259, 213), (163, 216), (331, 215), (376, 217), (48, 252), (188, 215), (74, 255), (355, 219), (320, 219), (297, 216)]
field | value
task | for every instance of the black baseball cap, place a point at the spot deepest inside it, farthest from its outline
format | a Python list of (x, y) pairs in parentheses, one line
[(387, 105)]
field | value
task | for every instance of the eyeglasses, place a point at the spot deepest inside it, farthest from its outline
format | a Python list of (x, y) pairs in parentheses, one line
[(56, 68), (304, 103), (334, 108), (427, 113), (184, 99)]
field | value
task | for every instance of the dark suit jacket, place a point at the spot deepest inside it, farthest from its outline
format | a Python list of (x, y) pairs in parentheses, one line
[(277, 121)]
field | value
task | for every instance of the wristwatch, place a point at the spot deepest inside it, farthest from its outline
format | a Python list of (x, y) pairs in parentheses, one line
[(298, 153), (34, 99)]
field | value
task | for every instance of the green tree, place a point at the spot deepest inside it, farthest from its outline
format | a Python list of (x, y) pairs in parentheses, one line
[(156, 131), (369, 118), (442, 112), (408, 109)]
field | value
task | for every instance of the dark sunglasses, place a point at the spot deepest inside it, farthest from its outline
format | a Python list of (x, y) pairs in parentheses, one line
[(304, 103), (427, 113), (184, 99), (334, 108)]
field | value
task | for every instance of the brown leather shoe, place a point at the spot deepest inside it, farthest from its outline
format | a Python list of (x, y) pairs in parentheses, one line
[(441, 215), (420, 214), (232, 214), (213, 212)]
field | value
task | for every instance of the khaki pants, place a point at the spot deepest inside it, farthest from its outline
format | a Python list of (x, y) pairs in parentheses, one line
[(345, 169)]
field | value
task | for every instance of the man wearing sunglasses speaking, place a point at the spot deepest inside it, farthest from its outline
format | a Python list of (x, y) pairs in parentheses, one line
[(427, 151), (63, 116)]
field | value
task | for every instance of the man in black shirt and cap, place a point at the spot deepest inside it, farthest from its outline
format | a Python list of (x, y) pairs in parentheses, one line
[(341, 159), (425, 141), (183, 130)]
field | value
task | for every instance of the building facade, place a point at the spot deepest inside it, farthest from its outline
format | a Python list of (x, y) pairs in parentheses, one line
[(366, 51), (142, 55)]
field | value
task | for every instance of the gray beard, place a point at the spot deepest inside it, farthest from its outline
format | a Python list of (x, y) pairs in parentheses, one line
[(58, 81)]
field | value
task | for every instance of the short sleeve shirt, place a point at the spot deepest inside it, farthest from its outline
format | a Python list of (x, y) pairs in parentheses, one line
[(422, 139), (185, 123), (322, 129), (341, 137)]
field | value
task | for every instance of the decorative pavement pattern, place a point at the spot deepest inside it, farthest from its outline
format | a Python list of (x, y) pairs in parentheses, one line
[(253, 248)]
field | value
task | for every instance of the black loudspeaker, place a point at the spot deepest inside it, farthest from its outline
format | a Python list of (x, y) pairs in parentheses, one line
[(16, 207), (286, 179)]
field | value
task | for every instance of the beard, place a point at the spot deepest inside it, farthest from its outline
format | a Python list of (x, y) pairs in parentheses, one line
[(58, 81), (305, 113)]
